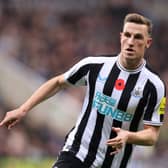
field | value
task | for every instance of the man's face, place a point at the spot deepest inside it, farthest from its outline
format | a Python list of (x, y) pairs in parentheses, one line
[(134, 41)]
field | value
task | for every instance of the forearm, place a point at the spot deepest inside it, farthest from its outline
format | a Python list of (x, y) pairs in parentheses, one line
[(47, 90), (146, 137)]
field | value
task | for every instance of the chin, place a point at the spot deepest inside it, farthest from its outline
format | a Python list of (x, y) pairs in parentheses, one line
[(129, 56)]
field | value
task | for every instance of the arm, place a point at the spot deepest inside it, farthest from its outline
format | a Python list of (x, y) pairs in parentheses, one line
[(146, 137), (47, 90)]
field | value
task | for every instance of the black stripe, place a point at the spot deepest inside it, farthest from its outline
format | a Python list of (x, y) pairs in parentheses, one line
[(164, 89), (127, 154), (79, 74), (123, 103), (95, 140), (109, 87), (109, 158), (162, 115), (150, 69), (96, 137), (94, 71), (134, 127), (152, 100), (149, 87), (139, 110), (126, 94), (66, 137)]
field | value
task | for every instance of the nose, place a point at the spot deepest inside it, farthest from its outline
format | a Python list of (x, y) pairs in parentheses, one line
[(131, 41)]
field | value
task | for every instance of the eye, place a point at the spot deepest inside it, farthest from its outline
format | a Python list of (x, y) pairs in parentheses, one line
[(127, 34), (138, 36)]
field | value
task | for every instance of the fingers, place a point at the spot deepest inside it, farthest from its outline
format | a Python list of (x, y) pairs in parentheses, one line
[(116, 144), (3, 122), (117, 150), (11, 118), (114, 140), (116, 129), (8, 122)]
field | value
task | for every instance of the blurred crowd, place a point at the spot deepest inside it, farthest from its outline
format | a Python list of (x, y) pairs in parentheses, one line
[(49, 42), (27, 141)]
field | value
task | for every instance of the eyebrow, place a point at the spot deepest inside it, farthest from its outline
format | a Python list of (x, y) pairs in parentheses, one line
[(136, 36)]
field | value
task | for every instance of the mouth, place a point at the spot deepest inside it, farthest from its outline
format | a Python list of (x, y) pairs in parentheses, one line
[(130, 51)]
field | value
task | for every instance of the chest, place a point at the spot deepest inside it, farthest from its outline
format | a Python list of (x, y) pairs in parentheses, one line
[(120, 90)]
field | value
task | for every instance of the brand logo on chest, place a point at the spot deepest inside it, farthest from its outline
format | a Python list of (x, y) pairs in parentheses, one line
[(137, 92)]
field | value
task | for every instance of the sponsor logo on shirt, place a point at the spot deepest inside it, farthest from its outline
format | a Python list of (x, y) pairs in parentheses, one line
[(101, 79), (162, 106), (106, 105)]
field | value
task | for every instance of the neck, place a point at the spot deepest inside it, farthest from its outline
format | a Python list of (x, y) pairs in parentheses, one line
[(131, 64)]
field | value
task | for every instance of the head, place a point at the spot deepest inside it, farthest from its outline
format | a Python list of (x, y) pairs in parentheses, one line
[(135, 39)]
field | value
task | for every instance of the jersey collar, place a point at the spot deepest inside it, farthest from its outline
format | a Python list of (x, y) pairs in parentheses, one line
[(130, 70)]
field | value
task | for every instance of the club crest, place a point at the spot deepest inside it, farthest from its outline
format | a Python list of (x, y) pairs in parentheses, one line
[(137, 92)]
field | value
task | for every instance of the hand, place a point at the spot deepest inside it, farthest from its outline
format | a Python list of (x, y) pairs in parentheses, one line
[(12, 118), (119, 141)]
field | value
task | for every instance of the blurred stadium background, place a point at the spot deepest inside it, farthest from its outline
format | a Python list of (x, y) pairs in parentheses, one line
[(43, 38)]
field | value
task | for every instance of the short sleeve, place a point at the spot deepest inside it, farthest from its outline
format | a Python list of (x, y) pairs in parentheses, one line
[(156, 104), (77, 75)]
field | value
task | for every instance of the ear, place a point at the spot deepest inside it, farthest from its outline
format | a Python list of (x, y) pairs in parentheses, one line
[(149, 42)]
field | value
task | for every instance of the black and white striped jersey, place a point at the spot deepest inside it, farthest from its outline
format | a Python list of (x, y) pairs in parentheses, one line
[(115, 97)]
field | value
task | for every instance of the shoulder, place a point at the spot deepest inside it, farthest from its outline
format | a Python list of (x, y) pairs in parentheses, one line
[(154, 78), (99, 59)]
